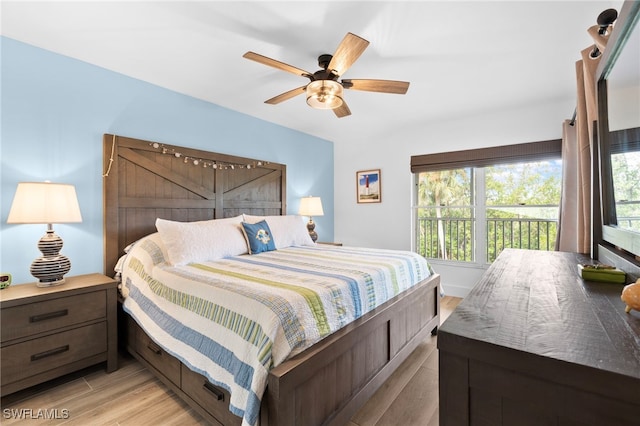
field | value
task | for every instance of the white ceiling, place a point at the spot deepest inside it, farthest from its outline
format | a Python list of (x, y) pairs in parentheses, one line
[(460, 57)]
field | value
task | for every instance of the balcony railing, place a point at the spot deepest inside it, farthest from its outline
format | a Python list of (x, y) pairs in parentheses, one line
[(531, 234), (452, 238), (628, 214), (629, 222)]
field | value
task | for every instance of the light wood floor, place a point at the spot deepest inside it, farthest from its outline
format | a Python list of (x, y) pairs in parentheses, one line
[(132, 396)]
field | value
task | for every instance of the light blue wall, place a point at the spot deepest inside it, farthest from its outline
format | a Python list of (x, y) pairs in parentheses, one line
[(54, 112)]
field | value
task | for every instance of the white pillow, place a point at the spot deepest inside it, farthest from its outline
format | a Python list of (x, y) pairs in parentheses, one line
[(287, 231), (188, 242)]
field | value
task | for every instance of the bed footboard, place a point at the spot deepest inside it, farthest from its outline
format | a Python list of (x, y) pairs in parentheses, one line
[(330, 381)]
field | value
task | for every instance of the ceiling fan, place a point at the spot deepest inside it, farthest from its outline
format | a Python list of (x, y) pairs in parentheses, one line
[(324, 91)]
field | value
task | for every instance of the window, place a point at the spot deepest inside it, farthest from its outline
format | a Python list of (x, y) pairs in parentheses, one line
[(522, 202), (445, 212), (626, 175), (470, 214)]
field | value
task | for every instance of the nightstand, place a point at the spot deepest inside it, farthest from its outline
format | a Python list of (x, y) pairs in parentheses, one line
[(48, 332)]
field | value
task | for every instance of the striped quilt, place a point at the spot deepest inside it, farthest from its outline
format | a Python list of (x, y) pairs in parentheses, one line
[(234, 319)]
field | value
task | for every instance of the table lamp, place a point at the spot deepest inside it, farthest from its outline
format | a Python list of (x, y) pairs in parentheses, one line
[(46, 203), (311, 206)]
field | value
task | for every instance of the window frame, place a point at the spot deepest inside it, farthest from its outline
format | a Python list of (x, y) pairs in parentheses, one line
[(477, 159)]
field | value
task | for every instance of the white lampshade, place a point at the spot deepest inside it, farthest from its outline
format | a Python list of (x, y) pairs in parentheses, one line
[(324, 94), (311, 206), (44, 202)]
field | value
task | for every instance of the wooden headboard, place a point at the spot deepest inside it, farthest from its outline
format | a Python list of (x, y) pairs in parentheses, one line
[(146, 180)]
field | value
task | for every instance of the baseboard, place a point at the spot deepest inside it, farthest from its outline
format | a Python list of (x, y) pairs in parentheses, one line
[(454, 290)]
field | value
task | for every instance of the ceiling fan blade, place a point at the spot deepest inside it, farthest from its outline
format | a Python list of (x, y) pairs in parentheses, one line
[(276, 64), (342, 111), (384, 86), (285, 96), (349, 49)]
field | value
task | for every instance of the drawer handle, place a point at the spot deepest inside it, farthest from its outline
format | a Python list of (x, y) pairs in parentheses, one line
[(50, 352), (214, 390), (154, 348), (50, 315)]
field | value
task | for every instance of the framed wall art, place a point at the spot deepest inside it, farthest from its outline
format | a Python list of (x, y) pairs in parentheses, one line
[(368, 185)]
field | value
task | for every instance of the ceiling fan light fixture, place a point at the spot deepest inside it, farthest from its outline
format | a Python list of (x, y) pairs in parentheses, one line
[(324, 94)]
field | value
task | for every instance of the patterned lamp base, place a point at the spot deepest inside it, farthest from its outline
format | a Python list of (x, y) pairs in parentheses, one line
[(310, 227), (51, 266)]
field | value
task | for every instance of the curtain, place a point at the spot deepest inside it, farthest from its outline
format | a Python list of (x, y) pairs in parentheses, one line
[(569, 218), (574, 227)]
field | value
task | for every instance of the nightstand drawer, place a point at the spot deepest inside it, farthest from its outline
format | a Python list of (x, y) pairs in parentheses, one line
[(157, 357), (46, 353), (210, 397), (34, 318)]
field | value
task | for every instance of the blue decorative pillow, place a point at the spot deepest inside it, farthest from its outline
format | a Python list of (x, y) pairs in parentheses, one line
[(258, 237)]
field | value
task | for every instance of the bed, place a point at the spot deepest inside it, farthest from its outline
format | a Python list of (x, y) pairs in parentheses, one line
[(322, 377)]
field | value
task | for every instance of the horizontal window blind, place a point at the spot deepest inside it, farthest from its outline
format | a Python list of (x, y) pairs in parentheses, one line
[(625, 140), (483, 157)]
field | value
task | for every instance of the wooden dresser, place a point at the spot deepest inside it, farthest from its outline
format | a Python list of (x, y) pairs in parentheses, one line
[(534, 344), (48, 332)]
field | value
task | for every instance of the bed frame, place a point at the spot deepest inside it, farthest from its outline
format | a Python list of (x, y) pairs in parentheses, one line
[(325, 384)]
